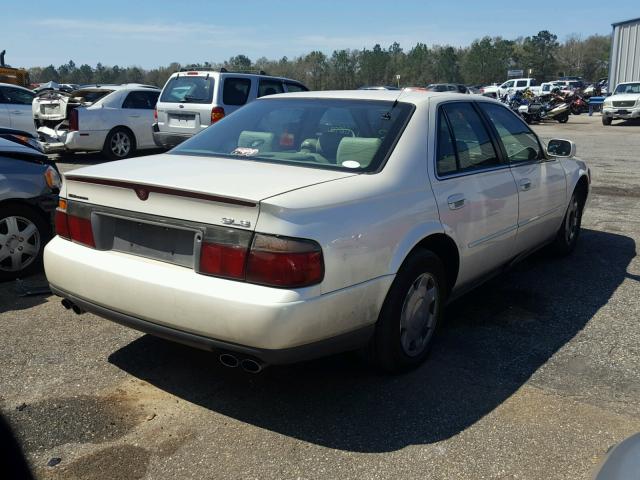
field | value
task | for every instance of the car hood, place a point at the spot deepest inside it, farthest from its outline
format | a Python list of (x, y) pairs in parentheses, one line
[(225, 177)]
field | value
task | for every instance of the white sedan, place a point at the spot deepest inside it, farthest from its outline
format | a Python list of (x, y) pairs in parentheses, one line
[(116, 119), (312, 223)]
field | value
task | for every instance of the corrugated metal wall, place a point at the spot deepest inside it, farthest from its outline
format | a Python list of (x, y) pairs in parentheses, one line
[(624, 65)]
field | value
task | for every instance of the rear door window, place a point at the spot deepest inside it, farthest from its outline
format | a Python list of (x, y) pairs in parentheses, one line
[(188, 89), (521, 83), (295, 87), (473, 147), (269, 87), (236, 90), (142, 100)]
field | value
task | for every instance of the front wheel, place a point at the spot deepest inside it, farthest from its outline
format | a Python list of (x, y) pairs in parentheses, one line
[(563, 118), (410, 314), (606, 120), (119, 144), (23, 235)]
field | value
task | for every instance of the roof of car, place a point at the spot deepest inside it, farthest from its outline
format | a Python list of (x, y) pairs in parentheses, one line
[(15, 86), (408, 96), (124, 86), (185, 72)]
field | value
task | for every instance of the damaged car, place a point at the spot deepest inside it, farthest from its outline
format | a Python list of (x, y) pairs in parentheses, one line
[(114, 119)]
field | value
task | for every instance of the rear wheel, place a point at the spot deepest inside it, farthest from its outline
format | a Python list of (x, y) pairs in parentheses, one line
[(567, 236), (120, 143), (23, 234), (410, 314), (563, 118), (606, 120)]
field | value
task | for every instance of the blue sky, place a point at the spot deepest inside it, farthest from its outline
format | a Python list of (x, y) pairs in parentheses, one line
[(152, 33)]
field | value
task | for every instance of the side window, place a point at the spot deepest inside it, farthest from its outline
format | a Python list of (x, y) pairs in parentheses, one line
[(236, 91), (269, 87), (141, 100), (16, 96), (519, 142), (471, 140), (295, 87), (521, 83), (446, 162)]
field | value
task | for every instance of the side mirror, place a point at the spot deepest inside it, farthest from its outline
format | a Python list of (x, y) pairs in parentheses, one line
[(561, 148)]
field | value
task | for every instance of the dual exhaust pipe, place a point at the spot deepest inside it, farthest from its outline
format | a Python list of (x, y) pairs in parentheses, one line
[(69, 305), (249, 365), (229, 360)]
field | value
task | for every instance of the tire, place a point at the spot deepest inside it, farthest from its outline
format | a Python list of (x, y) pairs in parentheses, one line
[(398, 344), (23, 235), (567, 236), (119, 144), (606, 120), (563, 118)]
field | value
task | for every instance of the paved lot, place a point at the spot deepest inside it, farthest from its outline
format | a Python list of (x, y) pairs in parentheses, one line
[(535, 375)]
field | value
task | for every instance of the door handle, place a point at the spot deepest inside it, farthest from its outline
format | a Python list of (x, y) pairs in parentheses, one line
[(16, 112), (525, 184), (134, 116), (456, 201)]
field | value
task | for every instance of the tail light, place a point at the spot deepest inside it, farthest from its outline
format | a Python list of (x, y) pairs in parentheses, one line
[(73, 227), (284, 262), (73, 120), (267, 260), (155, 114), (217, 113)]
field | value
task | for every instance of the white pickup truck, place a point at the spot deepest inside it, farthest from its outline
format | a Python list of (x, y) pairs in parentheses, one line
[(623, 104), (511, 86)]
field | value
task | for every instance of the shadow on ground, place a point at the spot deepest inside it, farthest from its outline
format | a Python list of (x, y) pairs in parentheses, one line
[(494, 340), (12, 295)]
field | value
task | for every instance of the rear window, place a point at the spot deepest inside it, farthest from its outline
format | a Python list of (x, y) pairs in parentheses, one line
[(188, 89), (90, 96), (349, 135)]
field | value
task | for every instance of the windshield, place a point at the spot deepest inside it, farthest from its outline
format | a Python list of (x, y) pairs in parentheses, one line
[(627, 88), (188, 89), (350, 135)]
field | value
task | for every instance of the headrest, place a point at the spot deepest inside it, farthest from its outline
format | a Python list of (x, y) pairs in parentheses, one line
[(263, 141), (357, 149)]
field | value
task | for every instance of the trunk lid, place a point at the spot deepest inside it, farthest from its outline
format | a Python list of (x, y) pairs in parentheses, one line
[(211, 190)]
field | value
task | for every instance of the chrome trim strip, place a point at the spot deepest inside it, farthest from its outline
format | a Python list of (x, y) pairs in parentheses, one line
[(537, 217), (492, 236)]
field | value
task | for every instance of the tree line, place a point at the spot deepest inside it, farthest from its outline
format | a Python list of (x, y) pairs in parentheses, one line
[(485, 61)]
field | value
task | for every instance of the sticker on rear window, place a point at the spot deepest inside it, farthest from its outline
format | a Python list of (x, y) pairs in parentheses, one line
[(350, 164), (245, 151)]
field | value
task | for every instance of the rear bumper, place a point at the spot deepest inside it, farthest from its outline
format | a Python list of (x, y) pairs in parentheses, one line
[(340, 343), (274, 325), (167, 139)]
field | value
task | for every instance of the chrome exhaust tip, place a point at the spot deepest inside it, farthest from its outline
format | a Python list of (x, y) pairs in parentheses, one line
[(251, 366), (229, 360)]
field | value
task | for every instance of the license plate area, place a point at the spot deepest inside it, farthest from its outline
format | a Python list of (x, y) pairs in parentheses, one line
[(182, 120), (166, 243), (623, 112)]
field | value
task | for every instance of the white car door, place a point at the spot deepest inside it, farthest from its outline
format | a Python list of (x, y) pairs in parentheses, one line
[(137, 112), (475, 191), (541, 182), (18, 105)]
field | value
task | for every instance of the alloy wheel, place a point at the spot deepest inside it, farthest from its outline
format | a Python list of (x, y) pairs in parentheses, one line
[(19, 243), (571, 221), (120, 144)]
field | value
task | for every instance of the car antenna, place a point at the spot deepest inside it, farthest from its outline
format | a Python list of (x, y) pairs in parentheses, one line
[(387, 115)]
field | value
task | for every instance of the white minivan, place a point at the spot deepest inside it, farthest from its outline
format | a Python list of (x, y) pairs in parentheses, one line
[(191, 100)]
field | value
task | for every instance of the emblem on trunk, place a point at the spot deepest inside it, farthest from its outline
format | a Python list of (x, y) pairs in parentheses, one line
[(239, 223), (142, 193)]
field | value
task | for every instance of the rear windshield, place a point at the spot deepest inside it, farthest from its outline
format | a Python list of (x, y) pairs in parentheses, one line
[(188, 89), (349, 135), (90, 96)]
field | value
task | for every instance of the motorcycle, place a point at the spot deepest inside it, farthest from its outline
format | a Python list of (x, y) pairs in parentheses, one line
[(533, 112), (578, 104), (558, 111)]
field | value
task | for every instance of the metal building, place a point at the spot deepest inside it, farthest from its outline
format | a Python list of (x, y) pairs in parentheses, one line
[(624, 63)]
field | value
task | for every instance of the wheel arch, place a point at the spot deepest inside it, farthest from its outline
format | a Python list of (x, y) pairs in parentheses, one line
[(440, 244), (128, 130)]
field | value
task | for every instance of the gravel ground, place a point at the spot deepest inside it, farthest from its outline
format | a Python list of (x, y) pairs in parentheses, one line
[(534, 376)]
